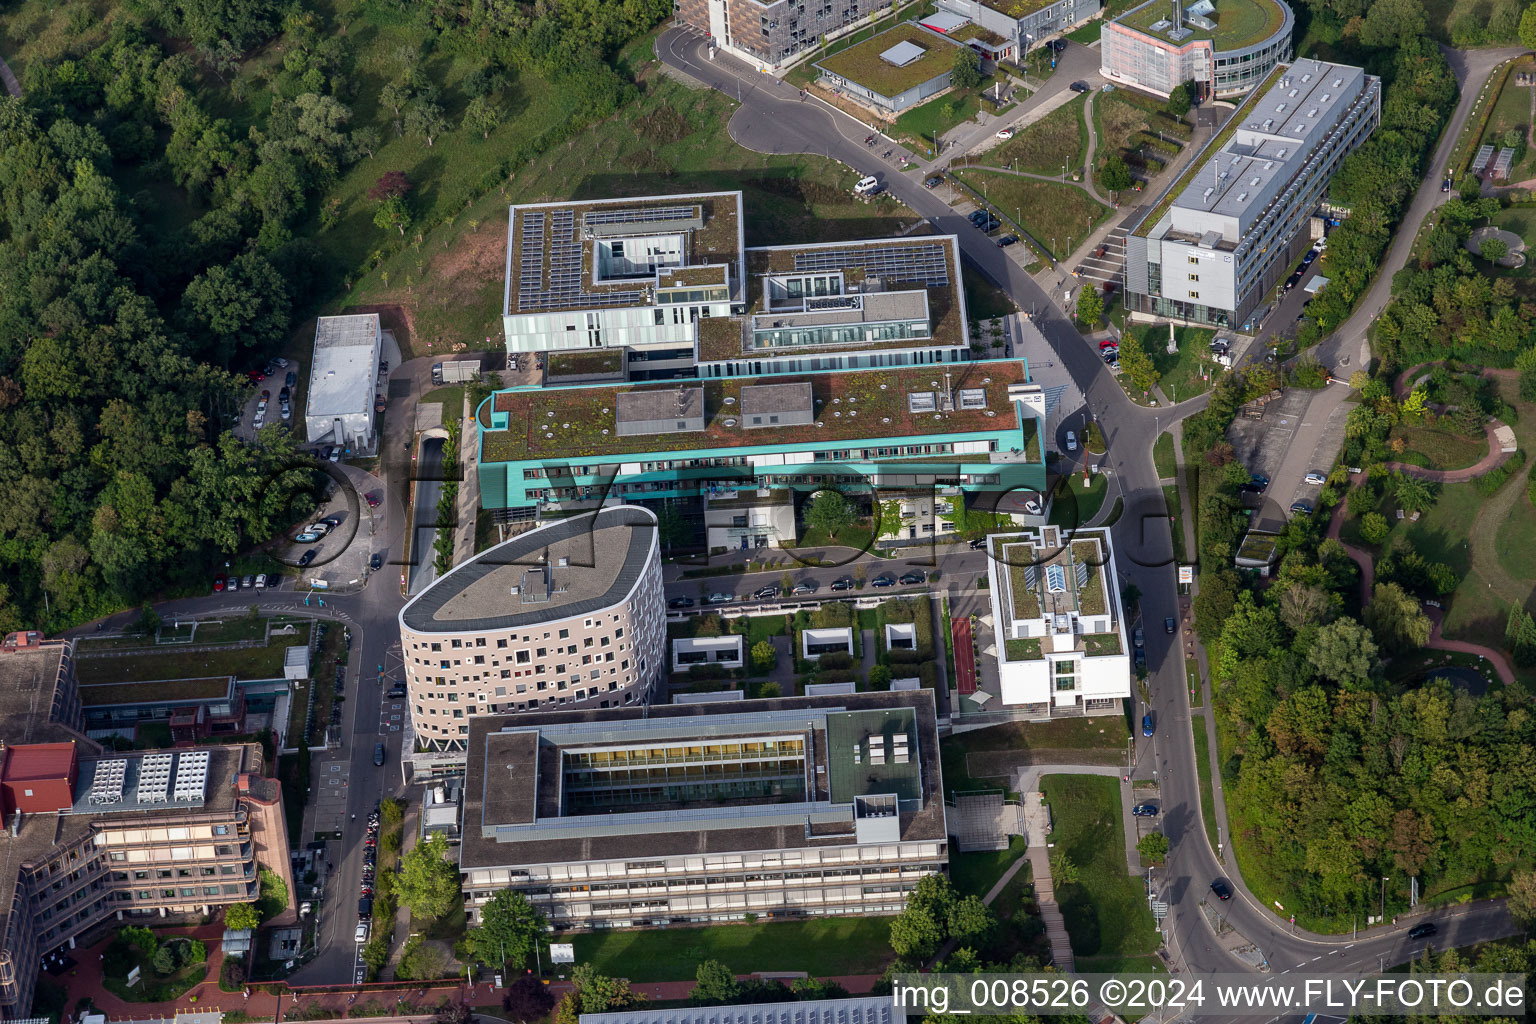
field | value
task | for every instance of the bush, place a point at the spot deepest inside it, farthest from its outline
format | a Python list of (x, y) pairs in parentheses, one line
[(834, 661), (1489, 483), (232, 976)]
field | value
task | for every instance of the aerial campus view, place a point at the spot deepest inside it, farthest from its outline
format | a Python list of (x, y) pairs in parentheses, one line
[(735, 512)]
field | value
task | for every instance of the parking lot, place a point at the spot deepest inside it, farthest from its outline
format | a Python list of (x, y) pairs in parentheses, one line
[(263, 407), (342, 554), (1262, 444)]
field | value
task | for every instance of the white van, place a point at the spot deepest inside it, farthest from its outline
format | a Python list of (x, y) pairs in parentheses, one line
[(866, 184)]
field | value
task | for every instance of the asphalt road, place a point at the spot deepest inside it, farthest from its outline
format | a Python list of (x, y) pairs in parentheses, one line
[(429, 487), (772, 118)]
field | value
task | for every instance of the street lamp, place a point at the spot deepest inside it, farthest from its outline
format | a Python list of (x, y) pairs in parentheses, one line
[(1384, 882)]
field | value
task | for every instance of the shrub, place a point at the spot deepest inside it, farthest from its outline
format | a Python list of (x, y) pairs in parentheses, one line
[(835, 661), (1489, 483), (232, 976)]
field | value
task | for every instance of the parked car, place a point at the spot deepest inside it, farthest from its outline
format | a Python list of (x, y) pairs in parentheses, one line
[(1170, 625), (361, 934), (378, 403), (1140, 659), (1250, 488), (372, 497), (376, 562), (765, 593), (378, 753), (1445, 186), (1112, 356), (284, 395), (883, 581), (233, 583), (260, 419), (249, 582), (335, 455), (803, 587), (978, 544), (255, 376), (332, 521), (1146, 725), (291, 379), (1005, 133), (308, 556), (1108, 343), (1222, 890), (1144, 811), (1006, 241), (1422, 931), (1071, 441), (718, 598), (261, 581), (912, 579), (1315, 477), (218, 583), (1138, 638), (843, 583), (1032, 506), (307, 537), (1301, 508), (287, 410), (1098, 253), (934, 181), (680, 602), (1080, 87), (866, 185), (1260, 479)]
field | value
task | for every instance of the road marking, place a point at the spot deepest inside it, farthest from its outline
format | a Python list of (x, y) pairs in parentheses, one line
[(1316, 959)]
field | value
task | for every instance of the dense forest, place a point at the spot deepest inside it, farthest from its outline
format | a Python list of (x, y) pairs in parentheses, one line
[(1340, 773), (123, 331)]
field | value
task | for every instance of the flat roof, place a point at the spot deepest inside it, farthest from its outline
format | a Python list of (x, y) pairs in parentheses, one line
[(1273, 138), (156, 691), (770, 398), (1239, 23), (872, 405), (604, 554), (27, 683), (869, 65), (512, 811), (853, 1010), (551, 247), (891, 269), (345, 365)]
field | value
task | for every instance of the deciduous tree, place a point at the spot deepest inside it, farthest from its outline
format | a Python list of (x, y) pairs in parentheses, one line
[(508, 932), (427, 883)]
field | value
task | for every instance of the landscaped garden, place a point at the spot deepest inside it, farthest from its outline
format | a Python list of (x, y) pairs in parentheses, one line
[(167, 662), (822, 946), (168, 965), (1055, 215)]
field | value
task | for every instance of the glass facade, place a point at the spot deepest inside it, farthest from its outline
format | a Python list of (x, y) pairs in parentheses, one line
[(684, 774), (841, 334)]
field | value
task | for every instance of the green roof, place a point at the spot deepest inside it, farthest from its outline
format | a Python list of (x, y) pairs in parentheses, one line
[(846, 731), (1239, 23), (863, 64), (154, 691)]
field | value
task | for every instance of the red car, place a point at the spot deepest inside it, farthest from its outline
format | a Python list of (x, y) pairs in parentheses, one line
[(373, 499), (218, 583), (1108, 343), (256, 376)]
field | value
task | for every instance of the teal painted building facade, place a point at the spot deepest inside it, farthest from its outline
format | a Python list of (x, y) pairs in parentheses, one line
[(960, 429)]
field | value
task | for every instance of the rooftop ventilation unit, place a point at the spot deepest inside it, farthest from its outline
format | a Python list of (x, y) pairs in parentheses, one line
[(1242, 197), (107, 784), (1312, 112), (154, 778)]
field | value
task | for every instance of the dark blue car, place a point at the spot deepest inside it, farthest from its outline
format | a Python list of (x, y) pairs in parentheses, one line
[(1146, 725)]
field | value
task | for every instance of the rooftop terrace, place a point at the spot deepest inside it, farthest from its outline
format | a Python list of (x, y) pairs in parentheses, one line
[(1239, 23), (578, 422), (1047, 577)]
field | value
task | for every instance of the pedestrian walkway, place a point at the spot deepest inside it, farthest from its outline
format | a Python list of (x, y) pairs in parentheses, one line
[(1050, 913)]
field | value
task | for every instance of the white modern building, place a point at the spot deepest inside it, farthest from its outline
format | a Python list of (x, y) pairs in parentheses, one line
[(1060, 628), (339, 408), (724, 651), (1008, 29), (1234, 224)]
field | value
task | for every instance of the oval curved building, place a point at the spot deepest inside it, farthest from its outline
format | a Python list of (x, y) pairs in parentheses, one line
[(1225, 47), (571, 614)]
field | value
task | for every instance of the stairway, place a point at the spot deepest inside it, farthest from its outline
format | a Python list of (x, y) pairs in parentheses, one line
[(1045, 895)]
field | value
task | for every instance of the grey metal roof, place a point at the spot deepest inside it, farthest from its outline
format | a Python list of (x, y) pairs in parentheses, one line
[(606, 552), (1278, 131), (853, 1010), (903, 53), (765, 398), (659, 404)]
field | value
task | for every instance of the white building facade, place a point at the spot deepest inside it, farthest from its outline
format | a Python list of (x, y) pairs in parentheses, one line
[(339, 407)]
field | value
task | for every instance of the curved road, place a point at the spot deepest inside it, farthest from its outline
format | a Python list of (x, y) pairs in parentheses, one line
[(773, 118)]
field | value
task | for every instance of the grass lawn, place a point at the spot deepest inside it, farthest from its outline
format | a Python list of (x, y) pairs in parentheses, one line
[(921, 124), (1512, 111), (1180, 376), (1117, 120), (1057, 140), (1086, 34), (1440, 448), (1515, 534), (1163, 457), (1441, 533), (243, 663), (1175, 513), (673, 139), (1055, 215), (762, 627), (1207, 794), (1075, 505), (978, 872), (825, 946), (995, 751), (1192, 682), (1106, 912)]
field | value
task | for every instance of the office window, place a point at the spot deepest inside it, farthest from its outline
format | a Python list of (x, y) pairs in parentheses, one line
[(1194, 277), (1195, 260), (1194, 295)]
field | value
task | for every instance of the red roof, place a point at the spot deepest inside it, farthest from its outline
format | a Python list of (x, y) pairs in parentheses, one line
[(39, 761)]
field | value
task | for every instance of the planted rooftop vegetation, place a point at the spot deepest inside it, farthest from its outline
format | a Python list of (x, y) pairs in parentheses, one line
[(1239, 23), (865, 65)]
